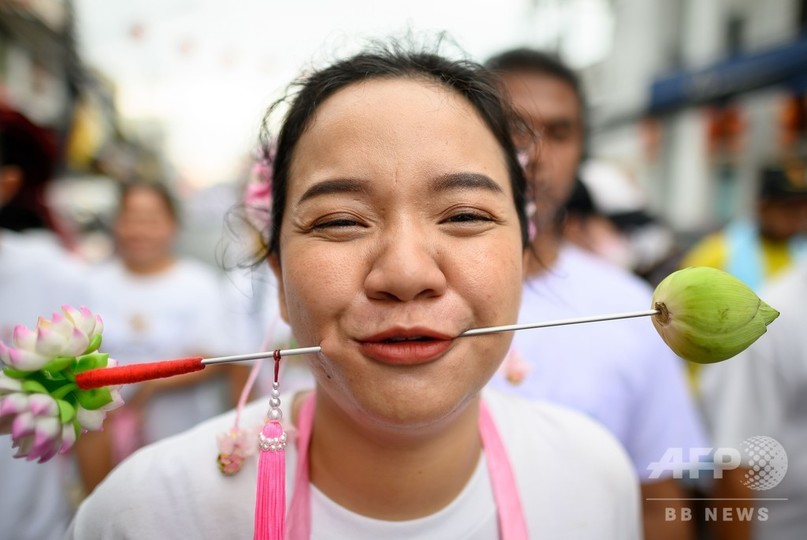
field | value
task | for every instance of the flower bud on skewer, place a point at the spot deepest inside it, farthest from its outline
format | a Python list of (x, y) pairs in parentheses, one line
[(707, 315)]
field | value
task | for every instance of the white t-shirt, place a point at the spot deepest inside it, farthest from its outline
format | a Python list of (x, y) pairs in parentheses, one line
[(763, 392), (618, 372), (574, 479), (37, 277), (177, 313)]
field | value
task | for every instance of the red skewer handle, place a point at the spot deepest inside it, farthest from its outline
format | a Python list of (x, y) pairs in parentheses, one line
[(134, 373)]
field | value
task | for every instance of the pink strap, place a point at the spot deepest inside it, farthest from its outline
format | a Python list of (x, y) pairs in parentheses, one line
[(512, 525), (298, 519)]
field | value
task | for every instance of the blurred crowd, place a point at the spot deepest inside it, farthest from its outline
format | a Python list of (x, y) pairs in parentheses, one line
[(597, 247)]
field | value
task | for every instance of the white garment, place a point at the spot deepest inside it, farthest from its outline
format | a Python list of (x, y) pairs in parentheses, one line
[(37, 277), (574, 479), (177, 313), (618, 372), (763, 391), (471, 516)]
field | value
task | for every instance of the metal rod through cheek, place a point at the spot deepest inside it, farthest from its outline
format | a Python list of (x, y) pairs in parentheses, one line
[(467, 333)]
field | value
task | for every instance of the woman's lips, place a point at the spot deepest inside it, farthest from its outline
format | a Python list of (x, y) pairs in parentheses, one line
[(404, 348)]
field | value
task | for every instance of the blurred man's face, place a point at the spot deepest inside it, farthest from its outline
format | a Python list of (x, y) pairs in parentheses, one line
[(551, 108), (781, 220)]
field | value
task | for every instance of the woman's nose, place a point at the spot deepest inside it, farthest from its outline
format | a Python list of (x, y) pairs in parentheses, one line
[(406, 267)]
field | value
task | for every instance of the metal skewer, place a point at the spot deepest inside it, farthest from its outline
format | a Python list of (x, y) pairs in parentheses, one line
[(558, 322), (472, 332), (257, 356)]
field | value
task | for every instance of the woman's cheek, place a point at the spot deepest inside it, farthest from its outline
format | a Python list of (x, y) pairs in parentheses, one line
[(497, 272), (317, 292)]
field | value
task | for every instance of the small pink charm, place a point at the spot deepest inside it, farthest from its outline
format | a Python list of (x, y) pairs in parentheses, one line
[(515, 368), (234, 447)]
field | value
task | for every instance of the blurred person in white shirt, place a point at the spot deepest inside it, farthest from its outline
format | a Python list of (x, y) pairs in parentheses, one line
[(37, 276), (156, 306)]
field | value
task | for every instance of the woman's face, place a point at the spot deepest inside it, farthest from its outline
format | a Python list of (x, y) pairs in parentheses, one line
[(400, 233), (144, 230)]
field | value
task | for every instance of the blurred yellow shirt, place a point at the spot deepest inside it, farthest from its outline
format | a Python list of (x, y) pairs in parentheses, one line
[(713, 251)]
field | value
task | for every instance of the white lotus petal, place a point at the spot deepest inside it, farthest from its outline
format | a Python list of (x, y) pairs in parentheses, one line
[(77, 343), (42, 405), (13, 404), (68, 438), (82, 318), (99, 326), (9, 385), (90, 420), (117, 400), (42, 322), (61, 325), (23, 360), (50, 343), (23, 425), (47, 428), (23, 338)]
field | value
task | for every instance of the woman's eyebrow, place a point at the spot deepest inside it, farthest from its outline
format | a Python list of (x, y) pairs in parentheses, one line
[(337, 185), (464, 181)]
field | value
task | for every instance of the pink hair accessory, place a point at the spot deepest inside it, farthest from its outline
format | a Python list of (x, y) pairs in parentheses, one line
[(258, 193)]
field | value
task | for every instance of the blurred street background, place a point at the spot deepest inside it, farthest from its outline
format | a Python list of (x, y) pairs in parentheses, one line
[(687, 97)]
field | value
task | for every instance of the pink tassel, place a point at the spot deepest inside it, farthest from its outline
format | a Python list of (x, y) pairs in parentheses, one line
[(270, 498), (270, 502)]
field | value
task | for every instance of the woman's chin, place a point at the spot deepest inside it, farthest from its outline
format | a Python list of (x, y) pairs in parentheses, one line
[(418, 411)]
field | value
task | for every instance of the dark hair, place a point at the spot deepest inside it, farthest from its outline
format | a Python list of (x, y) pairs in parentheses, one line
[(527, 60), (467, 78), (33, 149), (782, 181), (158, 188)]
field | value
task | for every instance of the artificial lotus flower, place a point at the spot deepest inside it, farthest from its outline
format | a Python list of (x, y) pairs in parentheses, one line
[(68, 334), (40, 426), (41, 406)]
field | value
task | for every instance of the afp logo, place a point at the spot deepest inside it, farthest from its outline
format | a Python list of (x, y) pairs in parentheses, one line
[(764, 458)]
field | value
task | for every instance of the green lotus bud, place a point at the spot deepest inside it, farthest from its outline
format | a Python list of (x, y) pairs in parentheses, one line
[(706, 315)]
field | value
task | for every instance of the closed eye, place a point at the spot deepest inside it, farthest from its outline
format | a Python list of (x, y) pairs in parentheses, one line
[(337, 223), (467, 217)]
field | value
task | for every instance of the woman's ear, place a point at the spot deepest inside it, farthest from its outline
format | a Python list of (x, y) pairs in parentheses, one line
[(274, 264)]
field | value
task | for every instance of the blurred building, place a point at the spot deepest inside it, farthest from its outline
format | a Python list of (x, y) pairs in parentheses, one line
[(694, 95), (42, 76), (39, 69)]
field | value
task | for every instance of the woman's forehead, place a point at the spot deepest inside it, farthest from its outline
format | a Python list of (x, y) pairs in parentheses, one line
[(412, 120), (388, 98)]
